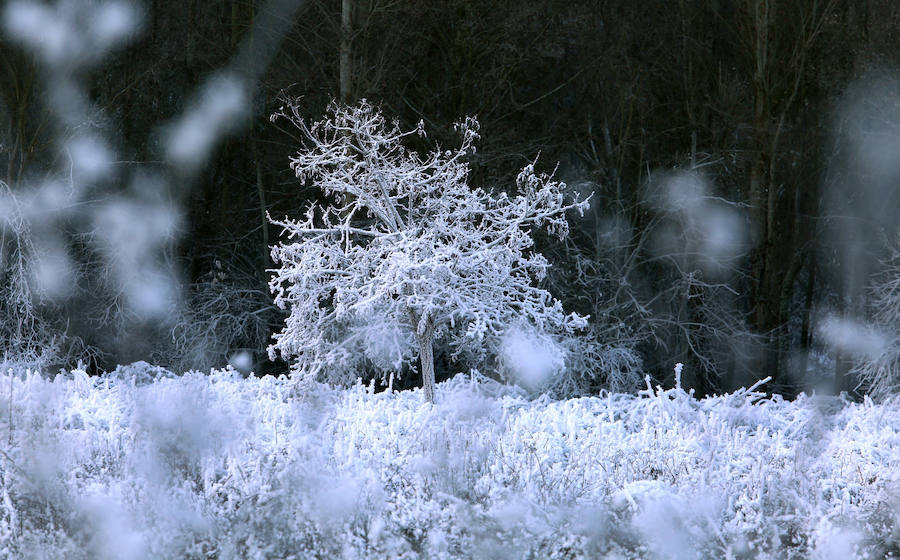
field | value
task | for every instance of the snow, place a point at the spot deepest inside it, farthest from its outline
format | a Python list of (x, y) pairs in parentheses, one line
[(140, 463)]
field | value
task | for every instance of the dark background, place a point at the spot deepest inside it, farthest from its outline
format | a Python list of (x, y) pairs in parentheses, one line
[(748, 94)]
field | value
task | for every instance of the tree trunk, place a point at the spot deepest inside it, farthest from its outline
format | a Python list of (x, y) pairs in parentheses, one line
[(346, 62), (424, 335), (806, 327), (426, 359), (263, 218)]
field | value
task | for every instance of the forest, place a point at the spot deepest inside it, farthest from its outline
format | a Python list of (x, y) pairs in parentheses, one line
[(783, 117), (660, 220)]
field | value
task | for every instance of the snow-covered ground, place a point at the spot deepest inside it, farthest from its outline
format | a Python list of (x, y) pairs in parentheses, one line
[(143, 464)]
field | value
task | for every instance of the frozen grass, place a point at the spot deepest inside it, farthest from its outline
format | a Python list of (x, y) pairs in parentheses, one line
[(142, 464)]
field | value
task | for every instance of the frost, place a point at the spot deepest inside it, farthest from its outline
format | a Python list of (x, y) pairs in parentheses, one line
[(836, 543), (665, 522), (335, 501), (387, 346), (114, 534), (139, 373), (158, 465), (147, 464)]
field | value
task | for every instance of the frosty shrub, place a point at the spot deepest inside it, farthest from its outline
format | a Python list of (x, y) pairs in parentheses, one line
[(20, 338), (588, 359), (225, 314), (405, 252), (662, 290)]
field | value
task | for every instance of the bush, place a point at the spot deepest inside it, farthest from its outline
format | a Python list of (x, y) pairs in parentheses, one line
[(225, 318)]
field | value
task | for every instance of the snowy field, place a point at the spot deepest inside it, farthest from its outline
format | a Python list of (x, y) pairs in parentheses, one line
[(143, 464)]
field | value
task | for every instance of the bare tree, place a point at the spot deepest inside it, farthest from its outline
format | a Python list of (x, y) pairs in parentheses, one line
[(29, 336), (878, 368)]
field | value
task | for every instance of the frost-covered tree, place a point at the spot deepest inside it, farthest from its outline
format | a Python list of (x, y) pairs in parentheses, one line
[(405, 252)]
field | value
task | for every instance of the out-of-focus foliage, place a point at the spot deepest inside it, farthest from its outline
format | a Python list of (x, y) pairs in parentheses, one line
[(141, 464), (99, 231), (30, 336)]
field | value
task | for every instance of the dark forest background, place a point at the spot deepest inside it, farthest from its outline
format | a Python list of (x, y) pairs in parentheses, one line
[(765, 103)]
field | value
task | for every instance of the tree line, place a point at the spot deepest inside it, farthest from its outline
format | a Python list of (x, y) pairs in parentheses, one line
[(778, 119)]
